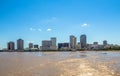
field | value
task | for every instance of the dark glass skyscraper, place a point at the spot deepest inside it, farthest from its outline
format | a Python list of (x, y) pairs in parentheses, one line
[(83, 41), (11, 45), (20, 44)]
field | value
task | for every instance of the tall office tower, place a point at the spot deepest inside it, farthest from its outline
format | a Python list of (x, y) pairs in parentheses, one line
[(11, 45), (83, 41), (20, 45), (46, 45), (104, 43), (73, 41), (53, 40), (30, 45)]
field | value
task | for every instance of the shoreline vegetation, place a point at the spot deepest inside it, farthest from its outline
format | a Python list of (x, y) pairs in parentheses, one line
[(56, 50), (114, 48)]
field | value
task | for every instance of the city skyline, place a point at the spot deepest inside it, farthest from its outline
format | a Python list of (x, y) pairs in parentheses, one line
[(52, 43), (38, 20)]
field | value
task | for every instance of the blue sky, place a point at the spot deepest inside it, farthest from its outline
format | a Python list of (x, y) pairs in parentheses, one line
[(37, 20)]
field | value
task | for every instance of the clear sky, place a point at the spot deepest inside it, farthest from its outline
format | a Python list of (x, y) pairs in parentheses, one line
[(37, 20)]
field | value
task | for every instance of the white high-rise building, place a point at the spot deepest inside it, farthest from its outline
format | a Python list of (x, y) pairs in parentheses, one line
[(53, 40)]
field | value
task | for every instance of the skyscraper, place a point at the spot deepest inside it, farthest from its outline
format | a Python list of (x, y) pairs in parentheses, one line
[(104, 43), (83, 41), (30, 45), (73, 41), (53, 40), (20, 45), (11, 45)]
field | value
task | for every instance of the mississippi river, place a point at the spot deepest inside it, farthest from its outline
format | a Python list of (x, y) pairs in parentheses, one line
[(83, 63)]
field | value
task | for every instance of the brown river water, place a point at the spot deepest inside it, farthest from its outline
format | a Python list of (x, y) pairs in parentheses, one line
[(87, 63)]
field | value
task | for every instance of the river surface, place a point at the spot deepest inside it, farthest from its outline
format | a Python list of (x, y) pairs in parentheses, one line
[(83, 63)]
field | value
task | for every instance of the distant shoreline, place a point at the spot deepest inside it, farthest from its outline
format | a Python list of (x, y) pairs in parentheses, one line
[(53, 50)]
